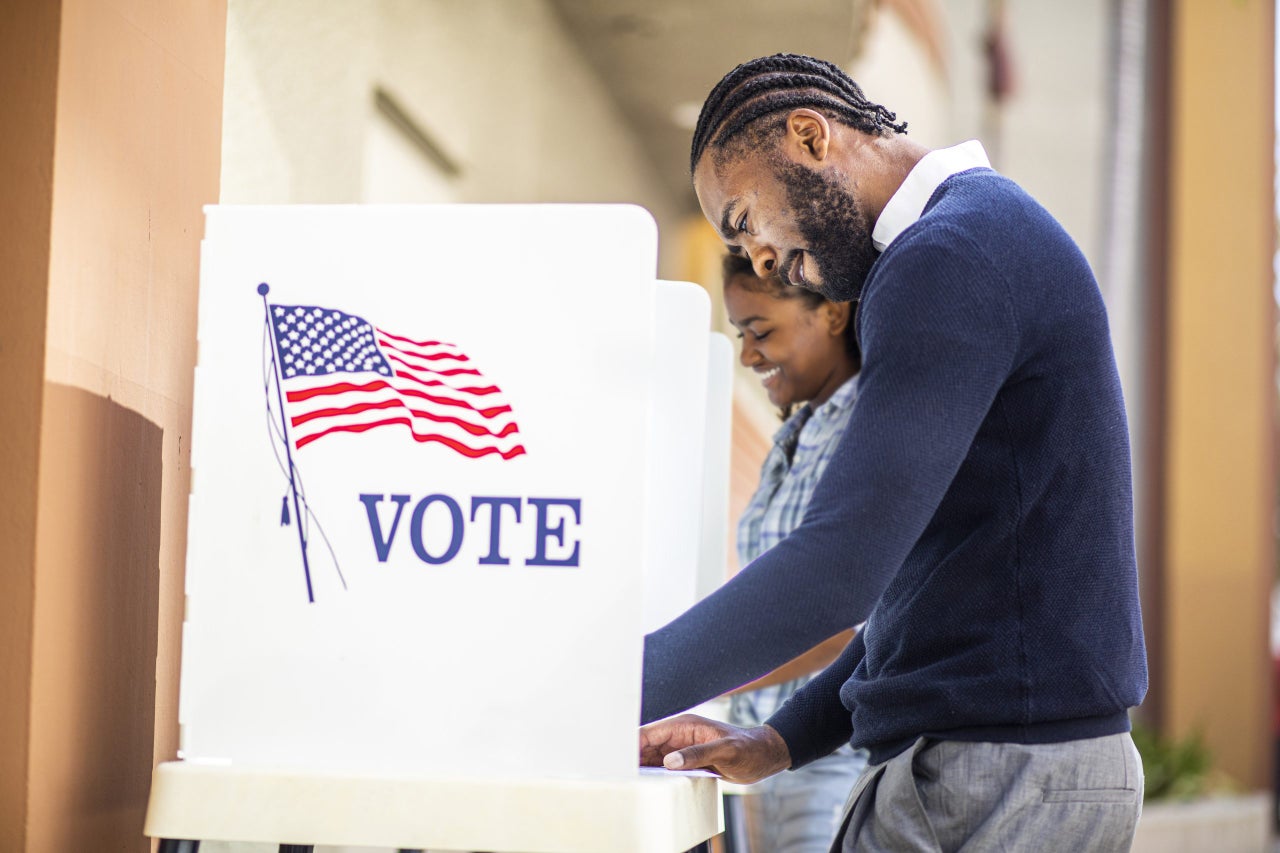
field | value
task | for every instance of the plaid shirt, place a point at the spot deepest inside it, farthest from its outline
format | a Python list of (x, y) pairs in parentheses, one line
[(801, 450)]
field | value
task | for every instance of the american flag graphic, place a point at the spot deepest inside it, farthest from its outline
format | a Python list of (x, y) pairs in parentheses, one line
[(341, 374)]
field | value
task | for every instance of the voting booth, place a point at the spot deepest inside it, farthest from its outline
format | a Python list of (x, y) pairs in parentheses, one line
[(449, 464)]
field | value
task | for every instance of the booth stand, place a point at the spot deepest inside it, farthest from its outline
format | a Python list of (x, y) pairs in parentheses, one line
[(449, 464), (652, 813)]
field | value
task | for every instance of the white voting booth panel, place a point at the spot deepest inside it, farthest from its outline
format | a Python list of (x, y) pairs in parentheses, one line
[(429, 450), (713, 552), (677, 425)]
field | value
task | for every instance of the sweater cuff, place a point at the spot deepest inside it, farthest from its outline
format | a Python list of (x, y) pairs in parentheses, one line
[(801, 744)]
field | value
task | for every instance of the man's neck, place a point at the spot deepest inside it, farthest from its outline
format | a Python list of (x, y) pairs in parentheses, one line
[(877, 166)]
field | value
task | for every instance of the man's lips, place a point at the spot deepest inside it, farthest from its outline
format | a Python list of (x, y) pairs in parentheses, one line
[(794, 271), (767, 376)]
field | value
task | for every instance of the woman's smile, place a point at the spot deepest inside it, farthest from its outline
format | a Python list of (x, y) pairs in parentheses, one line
[(794, 341)]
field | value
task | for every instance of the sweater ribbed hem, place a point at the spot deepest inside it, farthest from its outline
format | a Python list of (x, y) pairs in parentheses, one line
[(1056, 731)]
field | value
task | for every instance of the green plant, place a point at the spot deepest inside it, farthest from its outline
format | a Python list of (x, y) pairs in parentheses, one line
[(1176, 769)]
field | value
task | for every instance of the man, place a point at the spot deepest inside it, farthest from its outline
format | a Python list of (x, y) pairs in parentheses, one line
[(977, 513)]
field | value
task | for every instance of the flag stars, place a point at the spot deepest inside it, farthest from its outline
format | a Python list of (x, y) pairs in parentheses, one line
[(320, 341)]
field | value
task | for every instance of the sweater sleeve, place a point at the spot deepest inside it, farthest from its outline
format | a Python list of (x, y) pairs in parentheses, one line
[(939, 338), (814, 722)]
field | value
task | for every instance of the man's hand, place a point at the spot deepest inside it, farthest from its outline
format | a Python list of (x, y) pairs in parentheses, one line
[(690, 742)]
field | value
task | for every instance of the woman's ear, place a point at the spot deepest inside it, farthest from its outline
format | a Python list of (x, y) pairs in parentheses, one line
[(839, 315)]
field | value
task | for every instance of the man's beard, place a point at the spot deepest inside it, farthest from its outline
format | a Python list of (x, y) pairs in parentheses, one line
[(834, 227)]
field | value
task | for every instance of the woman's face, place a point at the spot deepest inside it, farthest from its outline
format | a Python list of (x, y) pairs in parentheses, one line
[(797, 351)]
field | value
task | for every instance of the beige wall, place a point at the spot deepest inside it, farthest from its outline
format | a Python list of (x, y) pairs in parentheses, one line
[(894, 68), (1050, 135), (108, 327), (1219, 546), (498, 84)]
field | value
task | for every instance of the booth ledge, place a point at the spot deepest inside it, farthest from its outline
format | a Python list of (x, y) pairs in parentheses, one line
[(648, 813)]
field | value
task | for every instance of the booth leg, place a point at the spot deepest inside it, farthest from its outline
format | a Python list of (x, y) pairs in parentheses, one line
[(177, 845)]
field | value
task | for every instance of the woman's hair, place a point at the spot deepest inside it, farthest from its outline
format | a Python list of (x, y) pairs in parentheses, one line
[(738, 269)]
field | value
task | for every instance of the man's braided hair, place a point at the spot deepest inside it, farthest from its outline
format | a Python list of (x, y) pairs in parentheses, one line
[(785, 81)]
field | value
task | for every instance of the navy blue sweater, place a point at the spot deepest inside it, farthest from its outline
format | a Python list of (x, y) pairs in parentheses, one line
[(977, 513)]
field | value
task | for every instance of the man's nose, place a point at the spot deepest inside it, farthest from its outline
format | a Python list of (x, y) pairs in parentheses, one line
[(749, 355), (765, 261)]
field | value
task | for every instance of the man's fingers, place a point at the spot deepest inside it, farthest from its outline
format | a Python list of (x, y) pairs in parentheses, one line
[(698, 756), (690, 742), (661, 738), (743, 755)]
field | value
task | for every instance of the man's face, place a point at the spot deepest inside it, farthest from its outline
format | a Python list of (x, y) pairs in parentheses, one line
[(790, 219)]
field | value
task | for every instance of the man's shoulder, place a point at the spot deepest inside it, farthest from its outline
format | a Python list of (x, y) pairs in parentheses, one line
[(946, 242), (974, 199), (987, 203), (977, 216)]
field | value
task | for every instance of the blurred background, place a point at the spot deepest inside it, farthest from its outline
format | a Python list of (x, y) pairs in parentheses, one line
[(1147, 127)]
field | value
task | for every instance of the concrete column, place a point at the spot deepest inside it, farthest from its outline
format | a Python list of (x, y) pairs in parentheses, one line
[(112, 111), (29, 70)]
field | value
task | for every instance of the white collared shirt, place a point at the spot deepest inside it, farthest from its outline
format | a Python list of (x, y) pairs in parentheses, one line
[(907, 204)]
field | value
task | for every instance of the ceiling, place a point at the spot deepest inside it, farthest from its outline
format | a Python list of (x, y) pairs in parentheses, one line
[(659, 58)]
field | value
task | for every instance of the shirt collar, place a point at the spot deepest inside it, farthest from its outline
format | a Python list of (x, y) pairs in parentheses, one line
[(790, 429), (908, 203), (841, 399)]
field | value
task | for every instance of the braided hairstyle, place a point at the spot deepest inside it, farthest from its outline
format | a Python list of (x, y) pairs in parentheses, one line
[(770, 85)]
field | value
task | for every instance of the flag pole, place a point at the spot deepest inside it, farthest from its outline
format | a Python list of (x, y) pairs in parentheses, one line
[(263, 289)]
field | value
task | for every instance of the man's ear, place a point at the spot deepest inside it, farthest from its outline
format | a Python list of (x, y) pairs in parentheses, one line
[(808, 133)]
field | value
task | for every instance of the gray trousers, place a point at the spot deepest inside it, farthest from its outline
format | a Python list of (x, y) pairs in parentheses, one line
[(799, 812), (939, 795)]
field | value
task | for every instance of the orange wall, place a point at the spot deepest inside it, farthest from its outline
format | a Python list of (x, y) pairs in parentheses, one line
[(134, 156), (1219, 503)]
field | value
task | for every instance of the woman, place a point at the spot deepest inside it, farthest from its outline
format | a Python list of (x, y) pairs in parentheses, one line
[(804, 351)]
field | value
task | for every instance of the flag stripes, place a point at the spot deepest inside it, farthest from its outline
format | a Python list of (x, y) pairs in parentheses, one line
[(343, 375)]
